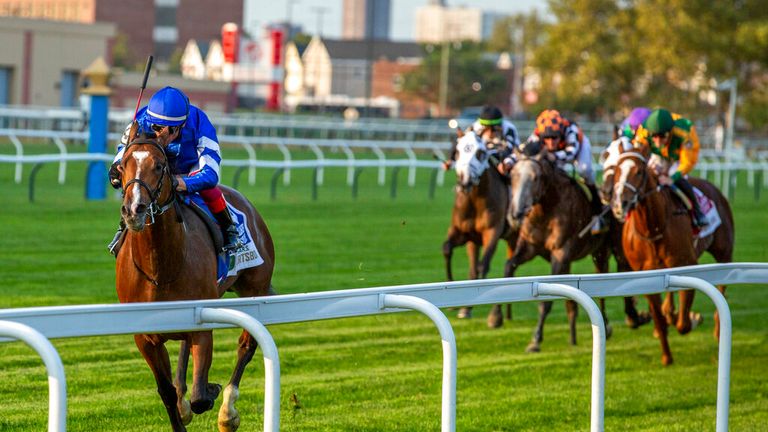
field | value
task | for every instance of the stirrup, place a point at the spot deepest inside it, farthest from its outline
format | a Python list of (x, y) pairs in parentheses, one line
[(598, 226), (112, 247), (232, 241)]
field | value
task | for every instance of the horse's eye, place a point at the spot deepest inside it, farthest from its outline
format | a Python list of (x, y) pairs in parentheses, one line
[(159, 167)]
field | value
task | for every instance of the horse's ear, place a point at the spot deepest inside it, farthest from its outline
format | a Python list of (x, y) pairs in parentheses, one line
[(134, 131), (459, 132)]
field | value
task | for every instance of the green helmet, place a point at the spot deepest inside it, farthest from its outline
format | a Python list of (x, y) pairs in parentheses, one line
[(659, 122)]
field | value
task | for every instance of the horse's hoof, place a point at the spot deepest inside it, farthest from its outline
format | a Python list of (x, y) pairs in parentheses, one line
[(495, 320), (533, 347), (229, 424), (202, 405), (229, 418), (185, 411), (643, 318), (464, 313), (608, 331), (666, 360), (696, 319)]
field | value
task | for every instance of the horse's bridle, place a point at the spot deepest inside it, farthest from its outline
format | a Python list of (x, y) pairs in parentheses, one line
[(155, 209), (638, 194)]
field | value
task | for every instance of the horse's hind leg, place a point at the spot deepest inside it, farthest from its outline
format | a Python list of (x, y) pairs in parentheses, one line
[(156, 356), (229, 418), (180, 383), (572, 309), (203, 393)]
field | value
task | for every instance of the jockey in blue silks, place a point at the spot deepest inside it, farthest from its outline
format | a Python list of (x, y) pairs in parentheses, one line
[(193, 153)]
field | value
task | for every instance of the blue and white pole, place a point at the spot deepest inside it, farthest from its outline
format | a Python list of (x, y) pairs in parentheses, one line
[(96, 180)]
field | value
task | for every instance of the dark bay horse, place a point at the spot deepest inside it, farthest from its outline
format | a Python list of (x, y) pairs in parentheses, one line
[(657, 234), (549, 210), (478, 216), (168, 254)]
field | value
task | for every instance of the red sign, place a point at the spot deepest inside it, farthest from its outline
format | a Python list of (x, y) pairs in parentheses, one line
[(230, 42)]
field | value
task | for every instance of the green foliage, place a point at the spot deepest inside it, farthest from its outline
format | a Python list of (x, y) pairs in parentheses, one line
[(120, 52), (468, 65), (174, 61), (371, 373)]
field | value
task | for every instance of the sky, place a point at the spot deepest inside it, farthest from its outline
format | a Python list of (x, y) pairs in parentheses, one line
[(312, 14)]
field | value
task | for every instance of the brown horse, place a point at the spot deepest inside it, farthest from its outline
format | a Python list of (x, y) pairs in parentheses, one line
[(168, 254), (478, 216), (549, 210), (657, 234)]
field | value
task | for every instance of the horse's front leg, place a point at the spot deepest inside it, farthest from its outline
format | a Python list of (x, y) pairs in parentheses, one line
[(472, 252), (203, 394), (153, 350), (561, 264), (229, 418), (660, 327), (181, 383), (490, 241), (686, 319)]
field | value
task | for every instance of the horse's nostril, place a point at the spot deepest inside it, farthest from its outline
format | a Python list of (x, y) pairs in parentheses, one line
[(140, 208)]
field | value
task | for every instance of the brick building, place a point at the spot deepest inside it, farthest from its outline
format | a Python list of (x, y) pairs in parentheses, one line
[(144, 27)]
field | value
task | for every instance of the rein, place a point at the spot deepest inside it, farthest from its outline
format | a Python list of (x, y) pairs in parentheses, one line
[(155, 209), (639, 192)]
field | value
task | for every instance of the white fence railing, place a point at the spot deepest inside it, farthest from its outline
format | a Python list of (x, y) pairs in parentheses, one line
[(36, 325), (722, 165)]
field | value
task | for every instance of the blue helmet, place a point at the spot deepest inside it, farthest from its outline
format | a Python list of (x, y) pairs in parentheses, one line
[(168, 107)]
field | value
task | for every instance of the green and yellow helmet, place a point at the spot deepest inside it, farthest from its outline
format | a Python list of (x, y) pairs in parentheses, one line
[(659, 122)]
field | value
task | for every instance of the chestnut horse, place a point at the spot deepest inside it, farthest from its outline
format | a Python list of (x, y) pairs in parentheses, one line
[(549, 209), (168, 254), (657, 234), (478, 216)]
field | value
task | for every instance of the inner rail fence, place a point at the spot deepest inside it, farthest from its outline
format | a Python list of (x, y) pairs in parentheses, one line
[(35, 326), (417, 155)]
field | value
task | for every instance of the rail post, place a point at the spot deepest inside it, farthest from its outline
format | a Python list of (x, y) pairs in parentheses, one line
[(448, 416), (268, 348), (724, 349)]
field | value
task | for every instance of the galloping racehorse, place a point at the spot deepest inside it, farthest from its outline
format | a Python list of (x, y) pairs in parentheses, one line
[(549, 210), (657, 234), (478, 216), (172, 257)]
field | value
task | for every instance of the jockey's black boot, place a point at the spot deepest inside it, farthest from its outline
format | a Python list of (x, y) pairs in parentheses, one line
[(114, 245), (698, 216), (599, 225), (229, 230)]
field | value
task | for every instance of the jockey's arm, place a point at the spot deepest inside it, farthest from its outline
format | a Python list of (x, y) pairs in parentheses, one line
[(568, 154), (689, 155), (206, 175)]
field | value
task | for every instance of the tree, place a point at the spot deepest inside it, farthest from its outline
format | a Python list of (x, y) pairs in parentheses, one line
[(473, 76)]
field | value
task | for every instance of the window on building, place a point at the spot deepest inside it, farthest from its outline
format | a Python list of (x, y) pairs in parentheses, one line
[(68, 88), (165, 16), (6, 76)]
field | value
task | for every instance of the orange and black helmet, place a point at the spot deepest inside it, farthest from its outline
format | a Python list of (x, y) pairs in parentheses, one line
[(550, 124)]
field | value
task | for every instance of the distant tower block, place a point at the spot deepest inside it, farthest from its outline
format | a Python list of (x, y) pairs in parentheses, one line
[(365, 19)]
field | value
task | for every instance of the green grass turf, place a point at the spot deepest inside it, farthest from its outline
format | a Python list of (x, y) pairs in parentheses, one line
[(372, 373)]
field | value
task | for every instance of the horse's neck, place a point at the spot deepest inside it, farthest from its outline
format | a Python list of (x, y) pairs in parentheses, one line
[(652, 210), (492, 187), (159, 249)]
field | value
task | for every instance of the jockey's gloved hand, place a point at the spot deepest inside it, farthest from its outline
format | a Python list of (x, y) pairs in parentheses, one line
[(114, 176)]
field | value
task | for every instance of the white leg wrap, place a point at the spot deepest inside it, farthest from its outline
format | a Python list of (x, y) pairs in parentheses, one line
[(229, 418)]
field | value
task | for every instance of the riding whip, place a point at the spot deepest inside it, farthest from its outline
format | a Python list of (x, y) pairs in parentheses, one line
[(143, 85)]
